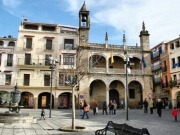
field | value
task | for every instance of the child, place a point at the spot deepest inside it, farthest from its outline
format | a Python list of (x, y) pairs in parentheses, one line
[(42, 114), (175, 113)]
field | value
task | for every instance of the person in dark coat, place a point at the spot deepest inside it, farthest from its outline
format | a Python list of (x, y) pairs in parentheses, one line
[(105, 108), (145, 103), (111, 107), (85, 112), (159, 106), (42, 114)]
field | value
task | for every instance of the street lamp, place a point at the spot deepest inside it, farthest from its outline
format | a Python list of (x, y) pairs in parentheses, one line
[(127, 60), (52, 67)]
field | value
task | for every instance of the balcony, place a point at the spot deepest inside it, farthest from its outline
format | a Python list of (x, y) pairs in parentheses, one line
[(164, 69), (32, 63), (156, 67), (114, 71)]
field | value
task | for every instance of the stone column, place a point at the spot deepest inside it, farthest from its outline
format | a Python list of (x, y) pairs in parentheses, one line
[(35, 103), (107, 95), (55, 103), (107, 66)]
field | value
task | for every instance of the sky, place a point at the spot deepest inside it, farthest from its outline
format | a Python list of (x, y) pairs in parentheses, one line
[(116, 17)]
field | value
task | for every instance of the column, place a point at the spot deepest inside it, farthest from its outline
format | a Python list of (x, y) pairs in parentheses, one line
[(107, 95), (35, 103), (55, 103)]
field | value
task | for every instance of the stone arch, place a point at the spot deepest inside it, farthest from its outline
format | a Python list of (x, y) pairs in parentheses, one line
[(5, 97), (97, 60), (139, 80), (27, 99), (116, 91), (176, 98), (65, 100), (97, 90), (135, 93), (44, 100)]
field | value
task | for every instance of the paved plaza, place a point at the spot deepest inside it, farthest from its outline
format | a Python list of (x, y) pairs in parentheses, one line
[(62, 118)]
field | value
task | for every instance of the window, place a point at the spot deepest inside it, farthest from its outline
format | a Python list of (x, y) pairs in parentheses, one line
[(0, 58), (28, 43), (1, 43), (173, 62), (177, 44), (31, 27), (70, 79), (171, 46), (9, 59), (69, 44), (27, 59), (131, 93), (26, 79), (11, 43), (174, 78), (68, 59), (47, 80), (61, 79), (179, 61), (47, 61), (8, 79), (48, 44), (49, 28)]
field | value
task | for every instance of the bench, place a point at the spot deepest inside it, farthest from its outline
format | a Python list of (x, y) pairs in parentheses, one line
[(121, 129)]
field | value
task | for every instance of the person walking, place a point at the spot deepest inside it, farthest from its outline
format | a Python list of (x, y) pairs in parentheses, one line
[(111, 107), (105, 108), (86, 110), (81, 107), (122, 104), (95, 107), (150, 105), (145, 103), (42, 114), (115, 106), (175, 113), (159, 107)]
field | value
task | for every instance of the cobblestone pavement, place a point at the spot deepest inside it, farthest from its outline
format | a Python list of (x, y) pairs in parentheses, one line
[(62, 118)]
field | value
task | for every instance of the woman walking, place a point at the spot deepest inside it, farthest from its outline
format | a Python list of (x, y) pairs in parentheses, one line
[(86, 110)]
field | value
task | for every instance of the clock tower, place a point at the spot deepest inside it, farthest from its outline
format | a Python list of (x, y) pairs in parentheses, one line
[(144, 39), (84, 25)]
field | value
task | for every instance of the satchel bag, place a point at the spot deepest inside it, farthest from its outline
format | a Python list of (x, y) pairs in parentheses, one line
[(86, 109)]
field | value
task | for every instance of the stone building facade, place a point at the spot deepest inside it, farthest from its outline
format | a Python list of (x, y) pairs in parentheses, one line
[(105, 80)]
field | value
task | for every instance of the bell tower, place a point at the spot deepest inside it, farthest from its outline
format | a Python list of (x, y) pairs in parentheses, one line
[(84, 25), (144, 39)]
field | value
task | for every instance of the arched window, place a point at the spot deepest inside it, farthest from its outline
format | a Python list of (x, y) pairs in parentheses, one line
[(1, 43), (11, 43)]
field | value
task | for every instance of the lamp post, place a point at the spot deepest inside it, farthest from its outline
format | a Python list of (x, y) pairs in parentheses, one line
[(52, 67), (126, 90)]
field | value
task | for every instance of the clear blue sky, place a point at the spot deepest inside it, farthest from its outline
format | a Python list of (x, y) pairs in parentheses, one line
[(161, 17)]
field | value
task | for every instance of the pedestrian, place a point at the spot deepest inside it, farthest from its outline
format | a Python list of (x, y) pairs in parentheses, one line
[(111, 107), (85, 110), (95, 107), (174, 113), (42, 114), (150, 105), (159, 107), (105, 108), (81, 107), (145, 103), (115, 106), (122, 104)]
